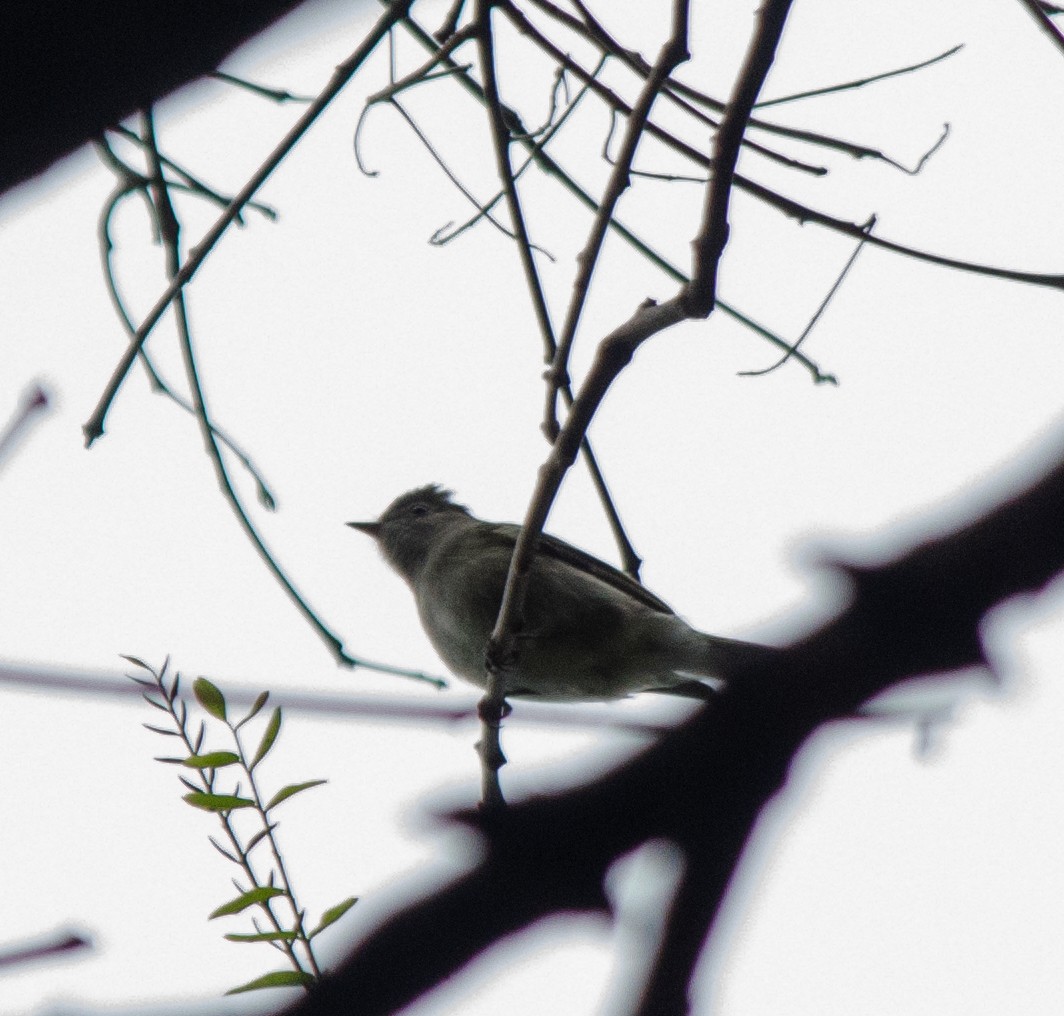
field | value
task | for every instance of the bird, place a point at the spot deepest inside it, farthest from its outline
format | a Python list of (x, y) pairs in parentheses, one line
[(588, 631)]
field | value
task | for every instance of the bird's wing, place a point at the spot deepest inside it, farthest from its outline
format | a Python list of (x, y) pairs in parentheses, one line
[(551, 546)]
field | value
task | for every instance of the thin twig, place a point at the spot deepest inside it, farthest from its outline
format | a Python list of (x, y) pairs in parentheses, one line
[(701, 294), (612, 99), (169, 228), (130, 183), (553, 169), (278, 95), (539, 141), (673, 53), (395, 11), (682, 96), (195, 185), (859, 83), (819, 311)]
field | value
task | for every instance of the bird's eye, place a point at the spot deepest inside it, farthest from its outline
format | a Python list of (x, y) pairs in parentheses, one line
[(419, 508)]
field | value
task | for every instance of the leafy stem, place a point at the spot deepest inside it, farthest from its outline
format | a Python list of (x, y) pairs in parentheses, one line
[(211, 793)]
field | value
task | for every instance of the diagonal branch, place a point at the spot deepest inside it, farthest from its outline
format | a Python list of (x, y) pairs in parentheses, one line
[(1040, 12), (701, 293), (673, 53)]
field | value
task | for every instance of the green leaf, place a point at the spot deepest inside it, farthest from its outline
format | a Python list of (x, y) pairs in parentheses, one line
[(333, 914), (210, 697), (293, 788), (278, 979), (273, 728), (258, 704), (263, 936), (217, 802), (212, 760), (245, 900)]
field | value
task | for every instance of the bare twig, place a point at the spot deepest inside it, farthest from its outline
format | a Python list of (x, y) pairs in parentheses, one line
[(701, 293), (169, 230), (94, 426), (129, 183), (859, 83), (688, 99), (819, 311), (673, 53), (553, 169), (278, 95)]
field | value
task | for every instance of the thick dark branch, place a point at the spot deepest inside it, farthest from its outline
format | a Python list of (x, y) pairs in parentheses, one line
[(71, 70), (1040, 12), (703, 785)]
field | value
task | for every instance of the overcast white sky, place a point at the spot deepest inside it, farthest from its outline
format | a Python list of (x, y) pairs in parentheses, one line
[(355, 361)]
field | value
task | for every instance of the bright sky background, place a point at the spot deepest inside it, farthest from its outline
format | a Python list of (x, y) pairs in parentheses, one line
[(355, 361)]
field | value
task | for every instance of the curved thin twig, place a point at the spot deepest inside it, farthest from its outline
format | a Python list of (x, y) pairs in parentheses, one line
[(94, 426)]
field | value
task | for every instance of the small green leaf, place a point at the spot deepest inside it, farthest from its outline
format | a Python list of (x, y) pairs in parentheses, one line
[(217, 802), (293, 788), (273, 728), (210, 697), (212, 760), (279, 979), (258, 704), (245, 900), (333, 914), (263, 936)]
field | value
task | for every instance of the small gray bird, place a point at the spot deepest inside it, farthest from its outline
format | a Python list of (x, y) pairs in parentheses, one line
[(589, 631)]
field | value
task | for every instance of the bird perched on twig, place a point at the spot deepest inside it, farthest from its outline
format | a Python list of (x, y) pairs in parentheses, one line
[(589, 632)]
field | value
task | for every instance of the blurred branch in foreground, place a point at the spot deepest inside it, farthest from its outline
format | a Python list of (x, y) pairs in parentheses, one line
[(45, 947), (703, 785), (34, 400), (456, 709)]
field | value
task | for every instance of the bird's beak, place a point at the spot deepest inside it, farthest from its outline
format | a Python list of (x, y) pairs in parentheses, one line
[(369, 528)]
